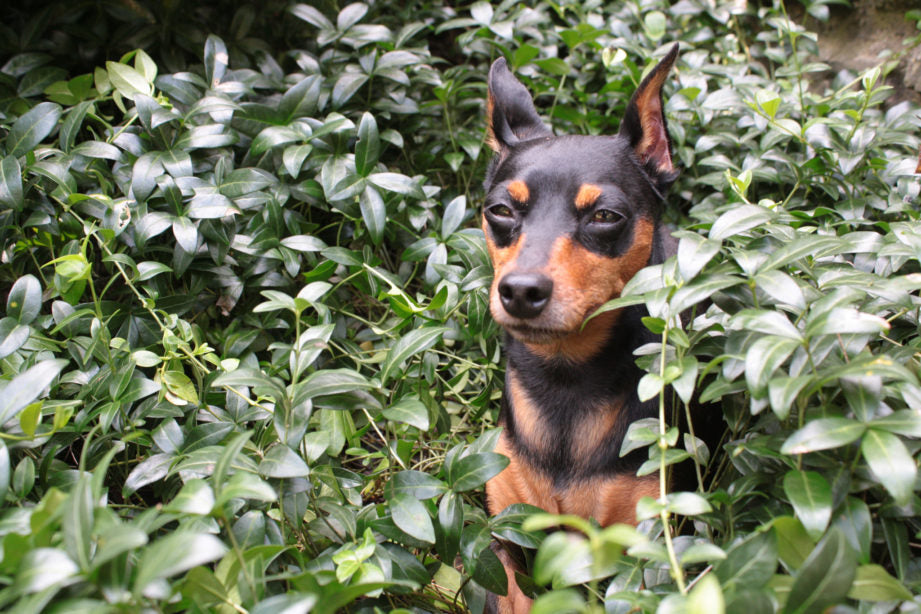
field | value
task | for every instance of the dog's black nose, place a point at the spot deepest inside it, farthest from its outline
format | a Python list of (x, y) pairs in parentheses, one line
[(524, 295)]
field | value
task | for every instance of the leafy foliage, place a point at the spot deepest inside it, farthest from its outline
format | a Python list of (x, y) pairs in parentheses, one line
[(247, 362)]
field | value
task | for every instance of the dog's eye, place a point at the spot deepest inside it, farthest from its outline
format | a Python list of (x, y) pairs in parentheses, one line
[(606, 216), (501, 211)]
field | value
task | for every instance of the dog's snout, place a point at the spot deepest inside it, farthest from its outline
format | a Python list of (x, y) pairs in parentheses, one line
[(524, 295)]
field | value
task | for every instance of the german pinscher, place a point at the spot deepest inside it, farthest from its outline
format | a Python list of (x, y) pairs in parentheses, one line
[(568, 221)]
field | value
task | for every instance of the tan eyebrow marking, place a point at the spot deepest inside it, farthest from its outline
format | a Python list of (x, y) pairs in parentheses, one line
[(588, 194), (518, 190)]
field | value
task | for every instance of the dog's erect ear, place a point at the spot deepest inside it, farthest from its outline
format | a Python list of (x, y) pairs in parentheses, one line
[(644, 121), (510, 112)]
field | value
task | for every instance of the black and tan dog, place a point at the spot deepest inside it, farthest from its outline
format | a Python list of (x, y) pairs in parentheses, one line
[(568, 221)]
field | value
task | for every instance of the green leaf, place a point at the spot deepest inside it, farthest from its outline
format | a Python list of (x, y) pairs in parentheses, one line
[(793, 542), (764, 357), (368, 147), (11, 194), (655, 24), (749, 563), (823, 434), (489, 572), (243, 181), (825, 577), (210, 205), (783, 390), (216, 60), (245, 485), (739, 219), (27, 387), (559, 602), (4, 470), (409, 410), (706, 597), (412, 343), (845, 320), (694, 252), (30, 129), (25, 299), (331, 381), (902, 422), (453, 216), (765, 321), (117, 540), (195, 497), (891, 463), (13, 336), (282, 462), (856, 523), (873, 583), (175, 553), (43, 568), (781, 287), (410, 515), (77, 522), (473, 470), (398, 183), (418, 484), (374, 213), (180, 385), (128, 81), (687, 504), (146, 472), (810, 495)]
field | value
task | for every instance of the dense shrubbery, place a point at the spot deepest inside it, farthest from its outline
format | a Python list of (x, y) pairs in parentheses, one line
[(247, 359)]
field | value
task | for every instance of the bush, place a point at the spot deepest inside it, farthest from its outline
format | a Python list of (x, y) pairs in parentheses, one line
[(246, 352)]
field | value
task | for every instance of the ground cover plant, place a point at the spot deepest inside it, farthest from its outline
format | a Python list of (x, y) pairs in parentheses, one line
[(247, 364)]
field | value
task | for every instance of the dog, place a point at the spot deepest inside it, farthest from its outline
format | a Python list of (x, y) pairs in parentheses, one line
[(569, 220)]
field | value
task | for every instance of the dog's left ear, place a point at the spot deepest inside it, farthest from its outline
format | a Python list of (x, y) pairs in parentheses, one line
[(510, 112), (644, 123)]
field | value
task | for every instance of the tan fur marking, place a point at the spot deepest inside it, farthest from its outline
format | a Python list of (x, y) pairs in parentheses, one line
[(518, 483), (518, 190), (609, 500), (491, 141), (516, 602), (501, 257), (582, 282), (592, 431), (587, 196), (527, 418)]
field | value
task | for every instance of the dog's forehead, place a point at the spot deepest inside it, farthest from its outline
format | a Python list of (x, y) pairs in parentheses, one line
[(568, 160)]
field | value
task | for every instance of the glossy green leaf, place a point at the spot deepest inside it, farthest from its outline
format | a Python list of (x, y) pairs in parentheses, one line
[(373, 213), (281, 462), (175, 553), (474, 470), (27, 132), (414, 342), (749, 563), (410, 515), (825, 577), (811, 497), (11, 192), (24, 301), (368, 147), (28, 386), (409, 410), (891, 463), (823, 434)]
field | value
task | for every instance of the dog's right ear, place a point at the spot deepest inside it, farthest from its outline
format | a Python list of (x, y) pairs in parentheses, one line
[(510, 112)]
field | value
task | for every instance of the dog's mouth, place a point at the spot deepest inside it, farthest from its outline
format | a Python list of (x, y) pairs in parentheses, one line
[(536, 334)]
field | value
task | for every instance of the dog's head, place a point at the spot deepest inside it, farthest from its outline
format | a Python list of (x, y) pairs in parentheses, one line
[(570, 219)]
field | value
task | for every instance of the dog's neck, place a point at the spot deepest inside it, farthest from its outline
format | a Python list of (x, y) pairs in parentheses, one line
[(568, 419)]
